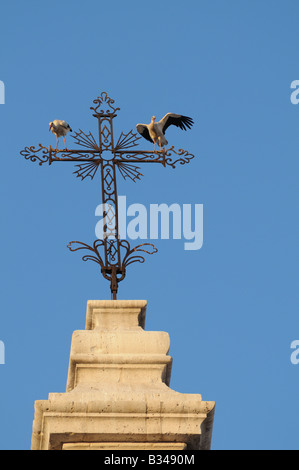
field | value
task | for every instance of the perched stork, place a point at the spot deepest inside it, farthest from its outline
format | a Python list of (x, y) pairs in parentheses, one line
[(155, 131), (60, 129)]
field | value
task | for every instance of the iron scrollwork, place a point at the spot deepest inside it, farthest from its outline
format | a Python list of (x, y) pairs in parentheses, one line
[(186, 157), (102, 101), (114, 270), (41, 154)]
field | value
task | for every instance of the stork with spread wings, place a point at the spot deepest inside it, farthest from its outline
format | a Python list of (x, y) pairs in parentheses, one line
[(155, 131)]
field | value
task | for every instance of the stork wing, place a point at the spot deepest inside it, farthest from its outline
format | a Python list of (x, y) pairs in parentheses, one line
[(64, 124), (143, 130), (183, 122)]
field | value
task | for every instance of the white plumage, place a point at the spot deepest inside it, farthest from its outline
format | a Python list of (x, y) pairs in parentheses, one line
[(155, 131), (60, 129)]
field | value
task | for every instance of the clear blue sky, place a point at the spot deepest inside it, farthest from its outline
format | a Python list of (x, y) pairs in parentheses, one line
[(231, 308)]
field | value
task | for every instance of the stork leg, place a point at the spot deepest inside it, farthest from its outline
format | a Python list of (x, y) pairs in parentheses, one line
[(64, 143), (56, 142), (159, 140)]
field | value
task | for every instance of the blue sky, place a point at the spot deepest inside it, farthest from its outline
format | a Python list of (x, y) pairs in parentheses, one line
[(230, 308)]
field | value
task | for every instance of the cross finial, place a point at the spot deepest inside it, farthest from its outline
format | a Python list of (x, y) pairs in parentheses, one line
[(112, 254)]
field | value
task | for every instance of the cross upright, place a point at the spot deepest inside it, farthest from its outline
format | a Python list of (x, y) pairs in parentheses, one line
[(107, 156)]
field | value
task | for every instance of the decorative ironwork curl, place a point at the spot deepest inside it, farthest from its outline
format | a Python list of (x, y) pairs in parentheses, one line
[(186, 157), (129, 259), (94, 249), (114, 272), (104, 100), (41, 154)]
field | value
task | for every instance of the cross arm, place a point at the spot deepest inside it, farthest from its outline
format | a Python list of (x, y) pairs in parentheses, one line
[(169, 156), (49, 155), (140, 156), (88, 161), (124, 153), (89, 151)]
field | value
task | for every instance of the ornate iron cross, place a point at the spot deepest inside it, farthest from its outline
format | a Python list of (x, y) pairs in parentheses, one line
[(108, 157)]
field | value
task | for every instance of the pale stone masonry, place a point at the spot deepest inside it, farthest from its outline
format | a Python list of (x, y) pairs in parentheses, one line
[(118, 395)]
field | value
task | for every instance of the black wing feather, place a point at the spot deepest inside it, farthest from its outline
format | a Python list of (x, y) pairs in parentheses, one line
[(67, 126), (183, 122), (143, 130)]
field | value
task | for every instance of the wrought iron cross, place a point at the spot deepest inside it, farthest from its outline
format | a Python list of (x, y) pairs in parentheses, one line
[(108, 157)]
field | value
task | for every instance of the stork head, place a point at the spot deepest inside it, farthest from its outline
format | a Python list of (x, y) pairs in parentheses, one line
[(153, 118), (50, 125)]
